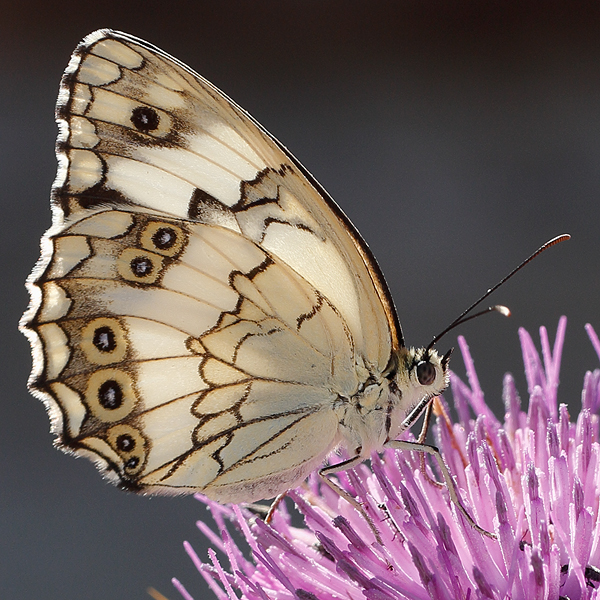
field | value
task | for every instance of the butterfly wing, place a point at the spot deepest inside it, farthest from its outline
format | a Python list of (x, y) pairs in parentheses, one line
[(200, 302)]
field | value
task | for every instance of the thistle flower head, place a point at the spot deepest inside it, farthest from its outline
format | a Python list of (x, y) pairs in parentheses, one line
[(533, 480)]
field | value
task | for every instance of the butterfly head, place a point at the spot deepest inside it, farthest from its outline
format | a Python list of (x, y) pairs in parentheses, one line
[(420, 374), (427, 370)]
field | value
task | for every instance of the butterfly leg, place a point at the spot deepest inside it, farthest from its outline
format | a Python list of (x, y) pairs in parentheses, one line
[(344, 466), (420, 447), (421, 440)]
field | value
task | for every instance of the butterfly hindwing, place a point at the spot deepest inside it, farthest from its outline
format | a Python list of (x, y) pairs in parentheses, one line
[(200, 303), (182, 352)]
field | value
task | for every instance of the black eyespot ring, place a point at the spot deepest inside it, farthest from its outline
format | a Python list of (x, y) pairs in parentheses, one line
[(145, 119), (141, 266), (110, 395), (425, 372), (104, 339), (132, 462), (125, 443), (164, 238)]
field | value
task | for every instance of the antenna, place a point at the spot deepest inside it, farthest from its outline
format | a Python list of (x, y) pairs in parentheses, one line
[(463, 318)]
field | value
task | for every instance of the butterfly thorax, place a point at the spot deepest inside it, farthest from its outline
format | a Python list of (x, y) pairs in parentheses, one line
[(385, 404), (362, 417)]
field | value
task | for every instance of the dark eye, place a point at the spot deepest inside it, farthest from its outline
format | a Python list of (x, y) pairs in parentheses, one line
[(425, 372)]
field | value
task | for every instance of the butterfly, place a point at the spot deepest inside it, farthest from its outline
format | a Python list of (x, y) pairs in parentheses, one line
[(203, 316)]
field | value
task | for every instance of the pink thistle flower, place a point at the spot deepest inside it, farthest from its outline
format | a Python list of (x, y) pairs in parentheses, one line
[(533, 480)]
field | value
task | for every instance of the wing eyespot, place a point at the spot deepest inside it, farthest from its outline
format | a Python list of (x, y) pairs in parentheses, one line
[(163, 238), (145, 119), (139, 266), (104, 341), (132, 463), (110, 395), (125, 443), (130, 445)]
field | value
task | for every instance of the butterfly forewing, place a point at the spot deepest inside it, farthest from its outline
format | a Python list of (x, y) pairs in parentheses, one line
[(166, 139), (201, 304)]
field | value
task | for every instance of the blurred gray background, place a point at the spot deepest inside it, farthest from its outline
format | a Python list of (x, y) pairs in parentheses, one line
[(457, 136)]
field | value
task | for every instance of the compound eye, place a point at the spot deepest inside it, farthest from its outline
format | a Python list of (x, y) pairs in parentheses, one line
[(425, 372)]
